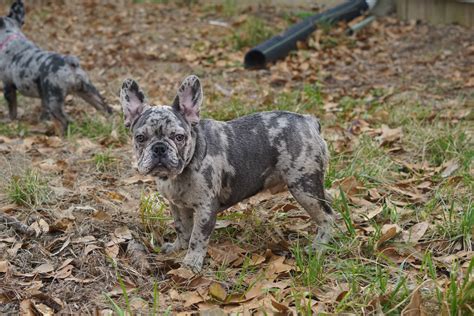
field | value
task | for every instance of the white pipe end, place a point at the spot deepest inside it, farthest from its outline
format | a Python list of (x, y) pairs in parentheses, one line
[(371, 3)]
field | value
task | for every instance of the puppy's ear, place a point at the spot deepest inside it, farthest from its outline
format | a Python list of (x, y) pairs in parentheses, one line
[(17, 12), (133, 101), (188, 100)]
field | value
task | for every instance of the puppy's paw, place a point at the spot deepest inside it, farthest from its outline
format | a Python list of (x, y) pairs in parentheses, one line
[(193, 261), (322, 240), (169, 247)]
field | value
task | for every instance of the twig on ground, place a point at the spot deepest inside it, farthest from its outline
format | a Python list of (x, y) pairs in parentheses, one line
[(16, 224)]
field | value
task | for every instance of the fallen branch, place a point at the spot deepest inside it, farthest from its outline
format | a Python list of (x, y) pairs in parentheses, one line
[(16, 225)]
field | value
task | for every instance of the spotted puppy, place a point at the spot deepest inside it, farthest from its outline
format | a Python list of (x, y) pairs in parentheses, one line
[(205, 166), (40, 74)]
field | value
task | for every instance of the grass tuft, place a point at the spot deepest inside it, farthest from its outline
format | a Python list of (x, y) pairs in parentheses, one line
[(104, 161), (13, 129), (99, 129), (153, 216), (250, 33), (309, 264), (29, 189)]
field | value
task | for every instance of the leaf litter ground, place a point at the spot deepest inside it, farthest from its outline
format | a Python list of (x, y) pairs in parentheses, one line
[(80, 230)]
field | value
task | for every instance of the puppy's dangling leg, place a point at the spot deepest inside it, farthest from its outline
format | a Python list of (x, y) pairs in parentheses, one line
[(61, 121), (91, 95), (84, 88), (9, 91), (311, 195)]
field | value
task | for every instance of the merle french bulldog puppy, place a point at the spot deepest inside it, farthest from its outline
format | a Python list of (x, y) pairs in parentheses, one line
[(205, 166), (41, 74)]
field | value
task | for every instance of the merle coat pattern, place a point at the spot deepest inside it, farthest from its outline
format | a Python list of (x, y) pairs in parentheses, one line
[(205, 166), (26, 68)]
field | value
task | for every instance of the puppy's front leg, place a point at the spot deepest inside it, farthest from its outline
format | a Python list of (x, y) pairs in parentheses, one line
[(183, 225), (204, 223)]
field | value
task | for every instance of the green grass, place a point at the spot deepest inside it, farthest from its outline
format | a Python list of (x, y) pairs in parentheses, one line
[(104, 161), (250, 33), (308, 99), (150, 1), (229, 8), (293, 17), (310, 266), (154, 217), (368, 163), (99, 129), (342, 205), (12, 129), (29, 189), (126, 307), (459, 296)]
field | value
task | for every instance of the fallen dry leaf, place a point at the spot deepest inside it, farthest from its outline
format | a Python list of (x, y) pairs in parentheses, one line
[(449, 168), (135, 179), (112, 251), (415, 306), (44, 268), (416, 232), (225, 254), (26, 308), (64, 272), (389, 135), (123, 232), (388, 232), (42, 309), (350, 185), (4, 266), (277, 266), (217, 291), (181, 274), (256, 259), (280, 307), (13, 250), (192, 298), (90, 248)]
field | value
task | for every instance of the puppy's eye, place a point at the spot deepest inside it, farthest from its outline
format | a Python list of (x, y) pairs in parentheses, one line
[(140, 138), (179, 138)]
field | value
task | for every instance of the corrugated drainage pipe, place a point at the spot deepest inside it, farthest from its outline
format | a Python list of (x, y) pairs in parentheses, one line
[(279, 46)]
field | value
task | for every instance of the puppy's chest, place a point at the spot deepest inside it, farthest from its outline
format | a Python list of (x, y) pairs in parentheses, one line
[(182, 194)]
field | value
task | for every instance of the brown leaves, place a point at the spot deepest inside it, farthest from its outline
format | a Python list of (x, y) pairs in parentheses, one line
[(449, 168), (44, 268), (225, 255), (356, 85), (388, 232), (389, 135), (415, 306), (416, 232), (181, 275), (4, 266), (350, 185), (217, 291)]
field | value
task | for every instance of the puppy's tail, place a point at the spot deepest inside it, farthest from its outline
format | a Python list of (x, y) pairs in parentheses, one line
[(72, 61)]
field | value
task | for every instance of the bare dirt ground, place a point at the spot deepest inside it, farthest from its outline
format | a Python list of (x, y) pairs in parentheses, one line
[(395, 101)]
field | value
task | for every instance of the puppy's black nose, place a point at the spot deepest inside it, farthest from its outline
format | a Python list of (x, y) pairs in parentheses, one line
[(159, 149)]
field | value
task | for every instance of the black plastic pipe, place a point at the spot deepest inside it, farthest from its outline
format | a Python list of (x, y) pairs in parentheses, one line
[(280, 45)]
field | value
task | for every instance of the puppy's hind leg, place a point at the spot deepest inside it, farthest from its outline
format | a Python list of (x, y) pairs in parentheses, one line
[(9, 91), (308, 190)]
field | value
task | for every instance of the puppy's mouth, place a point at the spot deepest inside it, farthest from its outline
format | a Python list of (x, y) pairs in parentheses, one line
[(164, 169)]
